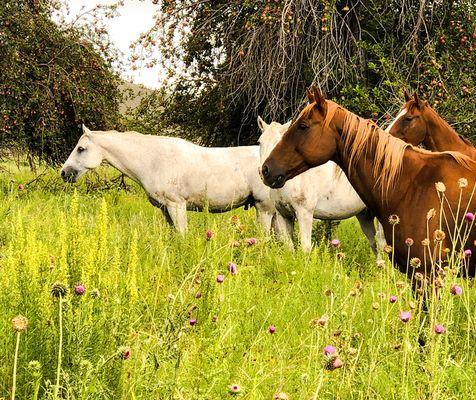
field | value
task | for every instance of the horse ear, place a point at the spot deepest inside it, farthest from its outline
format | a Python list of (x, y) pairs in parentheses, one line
[(319, 98), (310, 96), (407, 95), (416, 99), (85, 129), (261, 124)]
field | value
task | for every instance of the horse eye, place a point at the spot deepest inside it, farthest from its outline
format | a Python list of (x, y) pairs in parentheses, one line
[(302, 126), (408, 118), (81, 149)]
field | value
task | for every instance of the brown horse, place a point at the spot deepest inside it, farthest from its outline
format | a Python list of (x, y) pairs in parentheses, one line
[(418, 123), (394, 179)]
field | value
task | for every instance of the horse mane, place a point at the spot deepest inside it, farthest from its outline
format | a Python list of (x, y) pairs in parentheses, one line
[(362, 135)]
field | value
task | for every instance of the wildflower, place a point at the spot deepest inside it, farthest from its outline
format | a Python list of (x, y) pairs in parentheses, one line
[(21, 187), (380, 263), (95, 294), (439, 235), (409, 242), (220, 278), (281, 396), (400, 284), (440, 187), (335, 243), (415, 262), (234, 243), (20, 323), (251, 241), (425, 242), (322, 321), (358, 285), (438, 282), (215, 318), (192, 321), (381, 295), (405, 316), (387, 249), (234, 389), (462, 183), (328, 292), (340, 255), (336, 363), (198, 295), (375, 306), (412, 304), (439, 329), (209, 234), (271, 329), (352, 293), (329, 350), (124, 352), (79, 289), (419, 276), (456, 290), (59, 289), (468, 253), (469, 217), (345, 8), (392, 299), (430, 214), (232, 268), (235, 219), (394, 219)]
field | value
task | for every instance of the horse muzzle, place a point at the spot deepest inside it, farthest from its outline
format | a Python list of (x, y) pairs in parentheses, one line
[(272, 177), (69, 174)]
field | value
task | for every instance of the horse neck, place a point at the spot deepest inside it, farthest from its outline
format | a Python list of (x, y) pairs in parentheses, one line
[(362, 177), (442, 137), (123, 152)]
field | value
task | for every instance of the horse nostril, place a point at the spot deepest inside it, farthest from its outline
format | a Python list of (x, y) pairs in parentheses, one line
[(279, 178), (63, 174), (265, 171)]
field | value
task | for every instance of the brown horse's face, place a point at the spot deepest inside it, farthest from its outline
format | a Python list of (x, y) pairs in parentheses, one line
[(410, 125), (306, 144)]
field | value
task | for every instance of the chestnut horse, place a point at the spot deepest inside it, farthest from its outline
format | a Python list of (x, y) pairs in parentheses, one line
[(419, 124), (394, 179)]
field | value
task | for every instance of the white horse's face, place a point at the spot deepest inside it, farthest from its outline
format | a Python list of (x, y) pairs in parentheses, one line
[(85, 156), (270, 136)]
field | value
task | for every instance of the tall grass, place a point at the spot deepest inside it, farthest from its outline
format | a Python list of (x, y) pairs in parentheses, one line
[(130, 336)]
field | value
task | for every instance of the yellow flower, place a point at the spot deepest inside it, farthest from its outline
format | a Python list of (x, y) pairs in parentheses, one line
[(430, 214), (462, 183), (440, 187), (439, 235)]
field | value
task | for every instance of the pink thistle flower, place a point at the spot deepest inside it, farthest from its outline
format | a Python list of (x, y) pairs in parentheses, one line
[(392, 299), (405, 316), (220, 278), (336, 363), (456, 290), (79, 289), (192, 321), (271, 329), (232, 268), (468, 253), (21, 187), (209, 234), (124, 352), (335, 243), (439, 329), (329, 350), (234, 389), (251, 241), (469, 217), (409, 242)]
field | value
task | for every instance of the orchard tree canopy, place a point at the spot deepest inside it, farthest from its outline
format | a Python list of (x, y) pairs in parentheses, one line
[(52, 79), (234, 59)]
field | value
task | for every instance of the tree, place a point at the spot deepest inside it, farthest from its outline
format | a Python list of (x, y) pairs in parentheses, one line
[(53, 79), (238, 59)]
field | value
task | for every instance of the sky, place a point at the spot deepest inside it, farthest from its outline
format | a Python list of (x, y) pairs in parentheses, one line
[(135, 17)]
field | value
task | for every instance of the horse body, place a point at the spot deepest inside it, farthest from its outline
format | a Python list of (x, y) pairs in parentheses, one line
[(419, 124), (391, 177), (323, 193), (178, 175)]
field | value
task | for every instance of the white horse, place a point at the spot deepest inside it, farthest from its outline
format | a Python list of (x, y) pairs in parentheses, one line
[(177, 175), (322, 192)]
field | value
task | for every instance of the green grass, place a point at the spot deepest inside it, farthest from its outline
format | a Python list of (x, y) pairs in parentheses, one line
[(151, 282)]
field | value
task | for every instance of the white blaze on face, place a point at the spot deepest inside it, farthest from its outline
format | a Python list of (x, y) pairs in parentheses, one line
[(402, 112)]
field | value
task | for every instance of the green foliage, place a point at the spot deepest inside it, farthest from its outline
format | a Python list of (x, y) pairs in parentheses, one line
[(144, 282), (52, 80), (242, 59)]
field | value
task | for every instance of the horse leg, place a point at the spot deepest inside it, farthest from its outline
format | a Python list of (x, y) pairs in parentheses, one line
[(366, 221), (284, 228), (264, 216), (178, 214), (305, 219)]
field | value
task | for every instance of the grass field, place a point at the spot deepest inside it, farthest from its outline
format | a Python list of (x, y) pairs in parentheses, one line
[(132, 335)]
